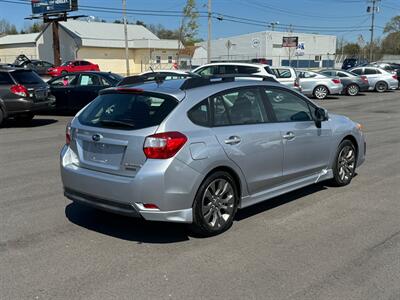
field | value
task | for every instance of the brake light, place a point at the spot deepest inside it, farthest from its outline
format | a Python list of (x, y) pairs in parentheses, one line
[(364, 78), (163, 145), (68, 134), (150, 206), (336, 81), (394, 77), (20, 90), (297, 82)]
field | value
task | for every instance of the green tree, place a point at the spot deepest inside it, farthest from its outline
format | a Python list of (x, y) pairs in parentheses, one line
[(189, 25), (393, 25), (352, 49), (391, 43)]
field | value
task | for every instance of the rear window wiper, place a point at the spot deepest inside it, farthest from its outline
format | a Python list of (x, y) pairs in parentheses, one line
[(117, 123)]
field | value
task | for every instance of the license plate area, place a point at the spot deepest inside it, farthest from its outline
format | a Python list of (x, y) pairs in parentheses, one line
[(103, 153)]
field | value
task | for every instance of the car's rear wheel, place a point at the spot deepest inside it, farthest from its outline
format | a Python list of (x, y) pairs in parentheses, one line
[(215, 204), (24, 118), (352, 90), (381, 87), (345, 164), (321, 92)]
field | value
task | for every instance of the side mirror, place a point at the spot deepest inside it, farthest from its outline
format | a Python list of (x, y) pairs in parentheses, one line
[(321, 115)]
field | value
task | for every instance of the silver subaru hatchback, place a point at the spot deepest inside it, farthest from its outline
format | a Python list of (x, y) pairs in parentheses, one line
[(197, 150)]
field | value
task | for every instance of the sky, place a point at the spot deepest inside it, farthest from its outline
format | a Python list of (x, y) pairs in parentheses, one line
[(345, 18)]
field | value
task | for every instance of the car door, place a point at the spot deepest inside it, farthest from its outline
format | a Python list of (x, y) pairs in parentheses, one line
[(306, 148), (248, 137), (62, 88), (372, 75), (85, 91), (307, 82)]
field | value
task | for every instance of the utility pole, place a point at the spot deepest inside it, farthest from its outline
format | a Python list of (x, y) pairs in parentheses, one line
[(56, 43), (209, 32), (126, 37), (372, 10)]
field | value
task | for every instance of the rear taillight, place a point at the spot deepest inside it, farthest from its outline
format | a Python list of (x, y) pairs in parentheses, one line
[(394, 77), (68, 134), (297, 82), (163, 145), (336, 81), (364, 78), (20, 90)]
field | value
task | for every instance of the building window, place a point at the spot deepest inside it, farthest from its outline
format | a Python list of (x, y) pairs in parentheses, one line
[(170, 59), (158, 59), (318, 58)]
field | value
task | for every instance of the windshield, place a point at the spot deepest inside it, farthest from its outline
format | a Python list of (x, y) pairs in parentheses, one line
[(66, 63), (127, 111), (26, 77)]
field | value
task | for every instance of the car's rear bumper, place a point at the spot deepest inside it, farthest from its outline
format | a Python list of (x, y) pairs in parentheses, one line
[(26, 105), (336, 89), (156, 183)]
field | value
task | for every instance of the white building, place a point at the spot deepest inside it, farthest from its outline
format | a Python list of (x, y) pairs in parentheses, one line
[(97, 42), (317, 50)]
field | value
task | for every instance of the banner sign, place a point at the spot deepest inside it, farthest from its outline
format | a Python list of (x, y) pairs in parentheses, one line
[(41, 7), (290, 41)]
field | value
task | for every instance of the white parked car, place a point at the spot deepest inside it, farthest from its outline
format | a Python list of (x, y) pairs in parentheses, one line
[(225, 68), (379, 79), (287, 76)]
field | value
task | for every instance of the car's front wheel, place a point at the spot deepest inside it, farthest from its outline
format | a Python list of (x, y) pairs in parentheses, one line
[(215, 204), (345, 164), (321, 92)]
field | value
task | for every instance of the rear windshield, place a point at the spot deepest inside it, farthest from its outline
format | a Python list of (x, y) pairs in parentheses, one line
[(127, 111), (26, 77)]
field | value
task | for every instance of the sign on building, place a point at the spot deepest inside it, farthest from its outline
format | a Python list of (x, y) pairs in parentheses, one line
[(41, 7), (255, 43), (300, 50), (290, 41)]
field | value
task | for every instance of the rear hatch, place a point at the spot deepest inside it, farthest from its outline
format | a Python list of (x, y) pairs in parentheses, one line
[(112, 129), (37, 88)]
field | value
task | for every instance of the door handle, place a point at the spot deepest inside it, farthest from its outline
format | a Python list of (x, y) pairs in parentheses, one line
[(233, 140), (289, 136)]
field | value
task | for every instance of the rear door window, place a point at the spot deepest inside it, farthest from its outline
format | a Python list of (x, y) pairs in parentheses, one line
[(369, 71), (247, 70), (341, 74), (127, 111), (357, 71), (89, 80), (27, 77)]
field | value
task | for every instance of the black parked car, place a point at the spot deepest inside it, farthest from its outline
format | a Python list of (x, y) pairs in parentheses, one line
[(74, 91), (22, 94), (39, 66), (349, 63), (352, 83)]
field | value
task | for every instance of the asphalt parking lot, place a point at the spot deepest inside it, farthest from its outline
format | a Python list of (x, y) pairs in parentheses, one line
[(316, 243)]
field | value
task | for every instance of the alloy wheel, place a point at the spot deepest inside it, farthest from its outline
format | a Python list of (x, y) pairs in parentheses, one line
[(321, 92), (218, 203), (346, 163), (352, 90)]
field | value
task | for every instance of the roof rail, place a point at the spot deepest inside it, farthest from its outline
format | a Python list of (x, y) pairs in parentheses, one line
[(153, 76), (191, 83)]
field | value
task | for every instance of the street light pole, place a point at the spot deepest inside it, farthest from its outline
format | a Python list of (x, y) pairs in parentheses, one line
[(209, 32), (126, 37), (373, 11)]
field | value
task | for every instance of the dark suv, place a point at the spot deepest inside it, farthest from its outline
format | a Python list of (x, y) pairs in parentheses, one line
[(22, 94), (349, 63)]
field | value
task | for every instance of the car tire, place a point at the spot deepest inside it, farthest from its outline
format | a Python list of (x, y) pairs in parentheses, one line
[(24, 118), (215, 205), (344, 166), (352, 90), (320, 92), (381, 87)]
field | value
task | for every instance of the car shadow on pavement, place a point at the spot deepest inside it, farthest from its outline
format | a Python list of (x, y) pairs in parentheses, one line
[(278, 201), (126, 228), (36, 122)]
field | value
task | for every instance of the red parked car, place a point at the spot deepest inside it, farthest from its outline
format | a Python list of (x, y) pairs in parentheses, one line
[(73, 66)]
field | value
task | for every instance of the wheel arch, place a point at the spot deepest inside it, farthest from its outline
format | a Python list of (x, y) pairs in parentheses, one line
[(352, 139)]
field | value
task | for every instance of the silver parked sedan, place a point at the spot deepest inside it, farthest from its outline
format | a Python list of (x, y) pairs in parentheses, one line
[(379, 79), (317, 85), (196, 150)]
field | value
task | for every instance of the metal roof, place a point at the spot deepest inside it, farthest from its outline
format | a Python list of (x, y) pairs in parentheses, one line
[(19, 38), (111, 35)]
